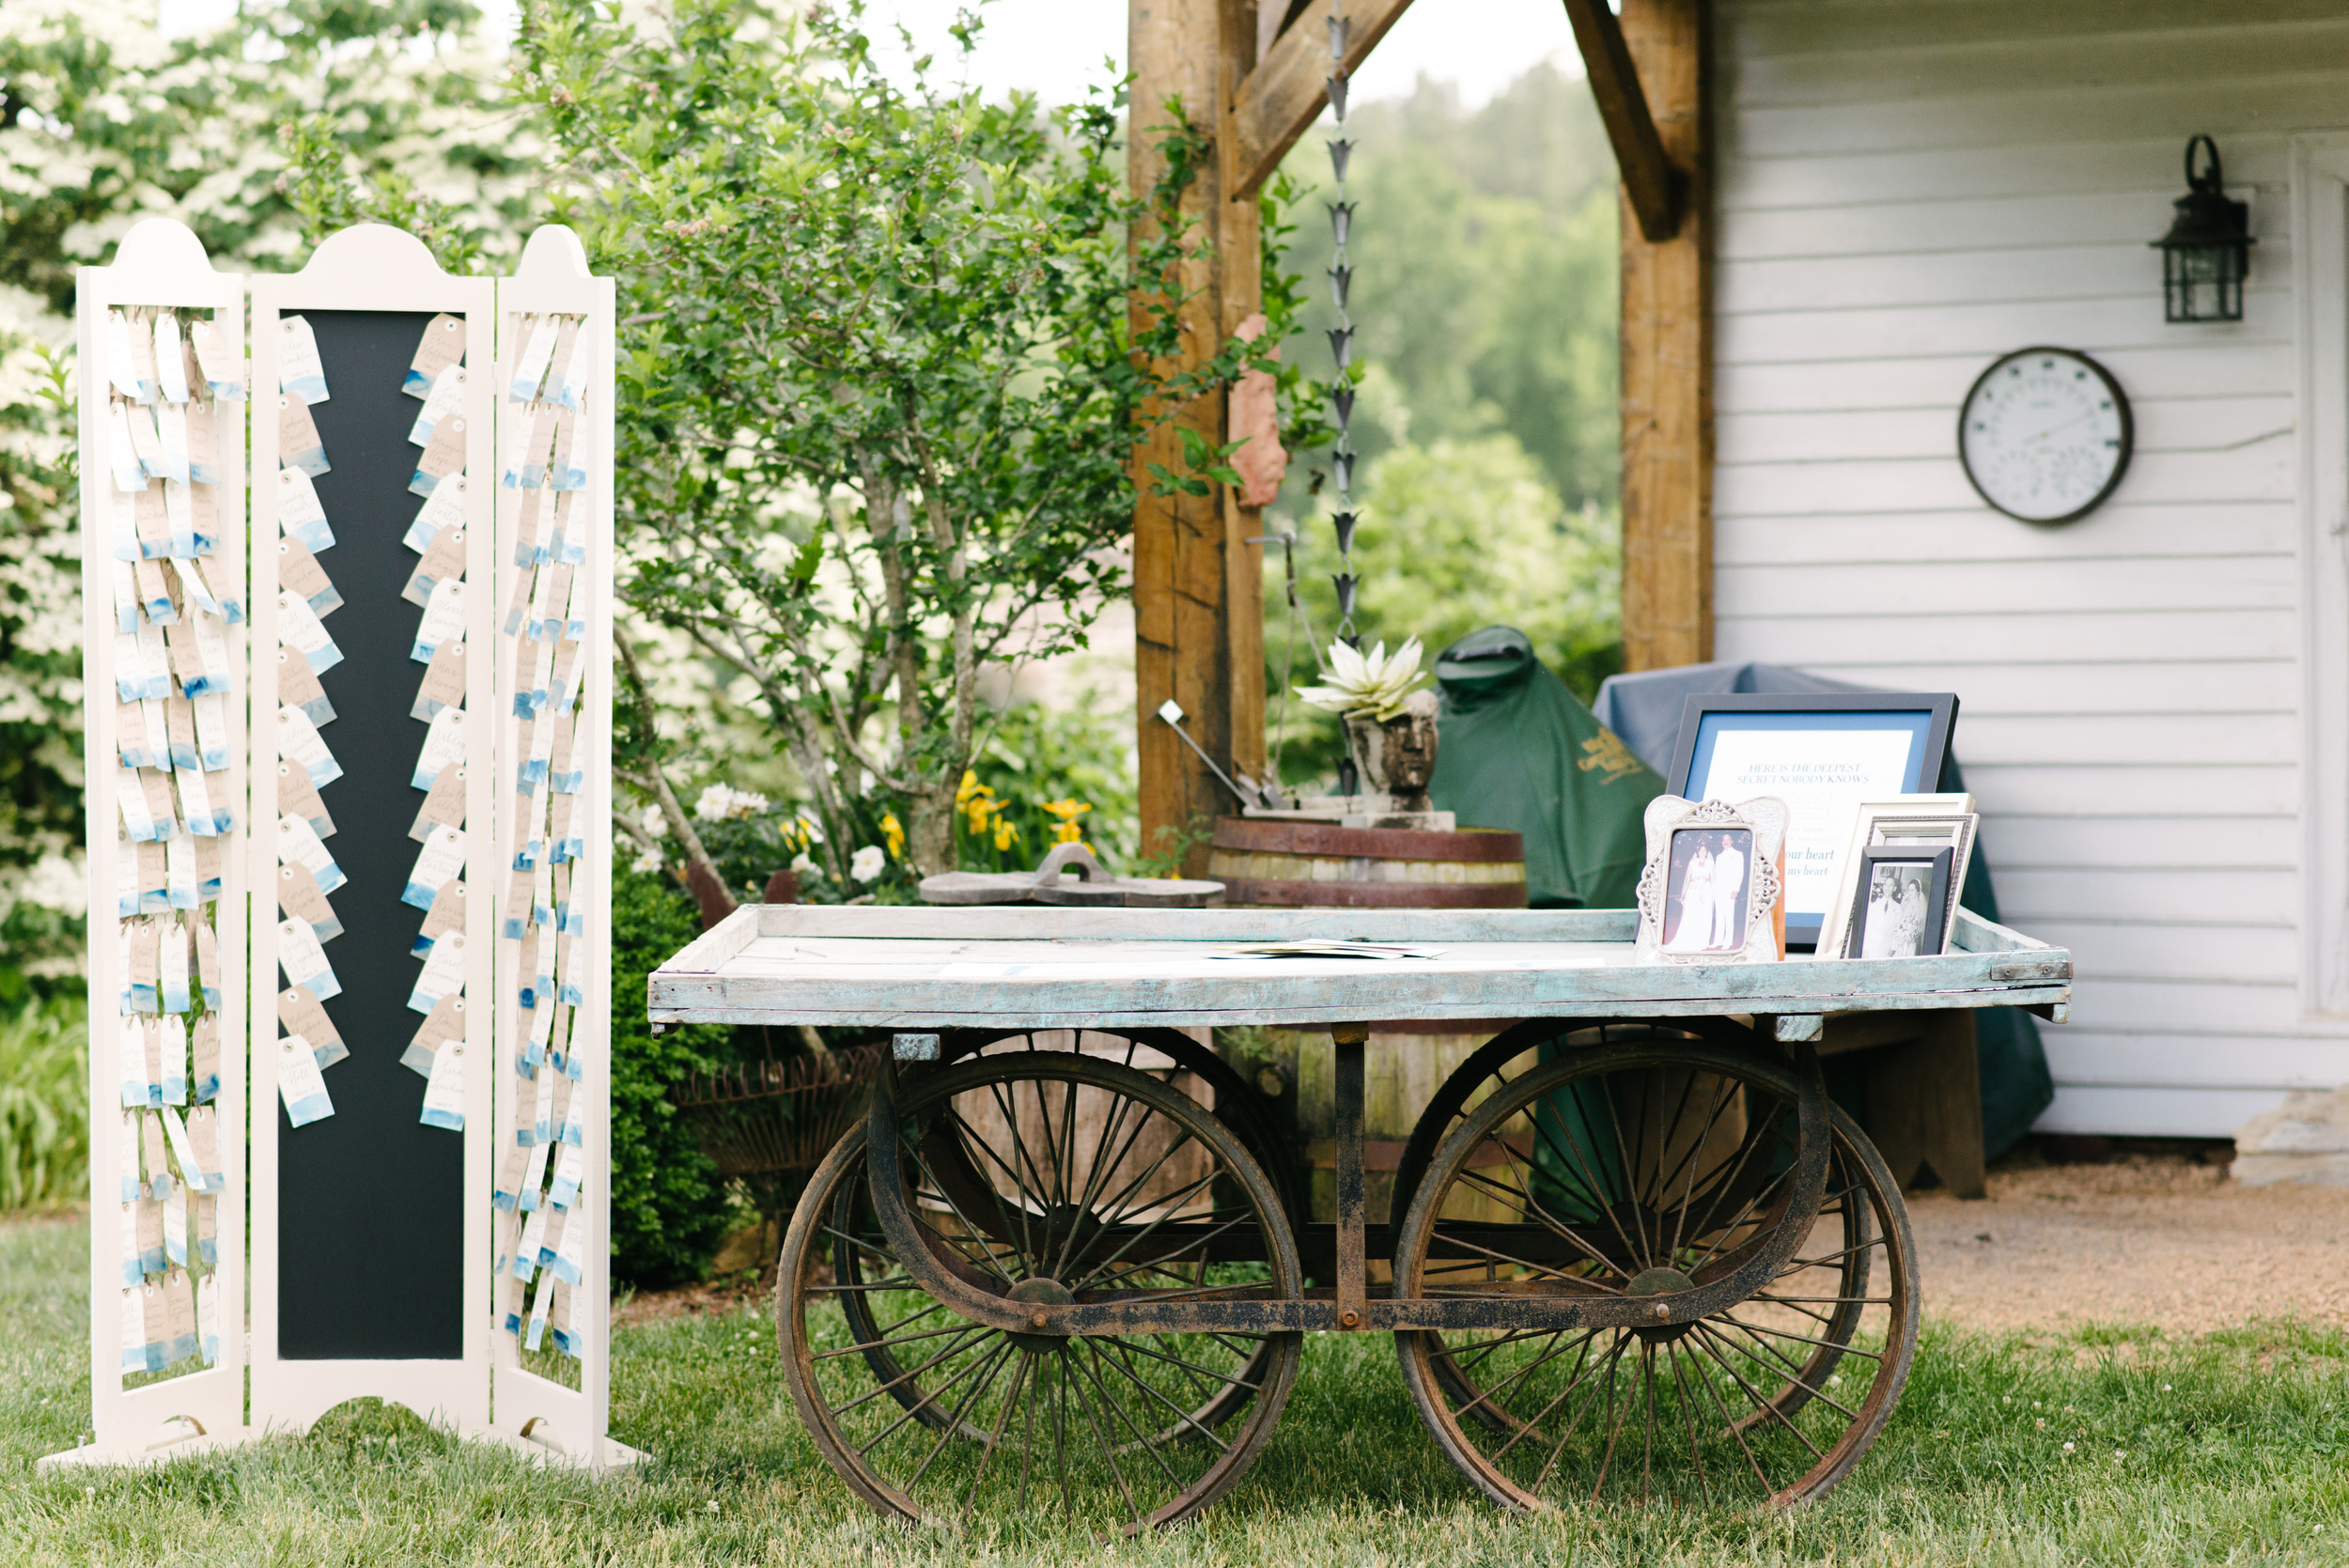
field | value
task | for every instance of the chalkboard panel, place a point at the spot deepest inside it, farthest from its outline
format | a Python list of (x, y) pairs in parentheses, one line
[(370, 1200)]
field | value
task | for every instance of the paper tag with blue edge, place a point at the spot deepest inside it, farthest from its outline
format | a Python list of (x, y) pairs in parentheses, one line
[(299, 742), (300, 1085), (298, 627), (300, 513), (537, 349), (443, 457), (444, 509), (444, 1092), (299, 371), (446, 396), (441, 859), (442, 344), (302, 958), (443, 746), (444, 974), (444, 618)]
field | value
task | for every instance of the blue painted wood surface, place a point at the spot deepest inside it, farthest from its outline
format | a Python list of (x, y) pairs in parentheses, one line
[(1040, 968)]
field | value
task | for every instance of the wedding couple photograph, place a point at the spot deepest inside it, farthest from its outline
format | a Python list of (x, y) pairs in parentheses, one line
[(1706, 899)]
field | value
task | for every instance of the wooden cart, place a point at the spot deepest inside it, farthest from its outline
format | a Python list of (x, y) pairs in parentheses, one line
[(1063, 1263)]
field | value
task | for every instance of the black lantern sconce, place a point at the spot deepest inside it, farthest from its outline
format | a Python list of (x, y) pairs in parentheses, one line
[(2207, 252)]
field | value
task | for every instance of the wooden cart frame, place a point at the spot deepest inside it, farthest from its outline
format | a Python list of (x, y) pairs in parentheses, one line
[(1033, 1274)]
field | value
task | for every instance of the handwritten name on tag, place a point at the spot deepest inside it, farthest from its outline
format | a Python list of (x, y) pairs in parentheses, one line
[(299, 371)]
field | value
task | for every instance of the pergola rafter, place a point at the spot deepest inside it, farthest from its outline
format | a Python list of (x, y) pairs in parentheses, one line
[(1198, 586)]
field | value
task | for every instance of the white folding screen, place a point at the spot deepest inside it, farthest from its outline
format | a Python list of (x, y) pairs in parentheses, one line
[(167, 805), (297, 1373), (553, 710), (380, 1099)]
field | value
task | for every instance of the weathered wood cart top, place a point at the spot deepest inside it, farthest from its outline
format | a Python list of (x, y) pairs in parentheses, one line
[(1041, 968)]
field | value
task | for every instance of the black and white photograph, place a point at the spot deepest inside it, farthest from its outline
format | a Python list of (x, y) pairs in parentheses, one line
[(1900, 909), (1705, 896)]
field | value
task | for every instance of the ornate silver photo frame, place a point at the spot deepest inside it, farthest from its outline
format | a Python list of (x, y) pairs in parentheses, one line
[(1714, 886)]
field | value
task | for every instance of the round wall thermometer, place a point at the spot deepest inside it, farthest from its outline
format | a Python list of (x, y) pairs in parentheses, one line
[(2044, 435)]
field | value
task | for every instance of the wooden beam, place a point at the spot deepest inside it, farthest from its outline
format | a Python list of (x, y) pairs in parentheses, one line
[(1651, 182), (1278, 100), (1667, 349), (1198, 587)]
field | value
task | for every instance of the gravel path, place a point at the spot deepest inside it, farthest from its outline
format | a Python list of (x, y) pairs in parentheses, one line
[(2140, 1241)]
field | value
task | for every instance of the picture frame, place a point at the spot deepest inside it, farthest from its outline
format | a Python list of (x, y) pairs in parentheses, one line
[(1947, 819), (1820, 753), (1899, 892), (1713, 891)]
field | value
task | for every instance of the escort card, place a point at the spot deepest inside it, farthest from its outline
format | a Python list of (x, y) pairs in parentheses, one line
[(442, 346), (299, 371)]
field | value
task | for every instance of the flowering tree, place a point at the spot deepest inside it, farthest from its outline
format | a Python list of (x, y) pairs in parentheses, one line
[(879, 390), (104, 121)]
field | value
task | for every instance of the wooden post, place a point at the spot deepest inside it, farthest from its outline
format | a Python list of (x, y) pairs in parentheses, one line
[(1668, 356), (1198, 587)]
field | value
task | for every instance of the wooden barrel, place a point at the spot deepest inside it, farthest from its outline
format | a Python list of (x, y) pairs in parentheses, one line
[(1321, 866), (1318, 865)]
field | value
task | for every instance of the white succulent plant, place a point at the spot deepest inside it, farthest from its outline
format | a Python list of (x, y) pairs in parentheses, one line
[(1374, 683)]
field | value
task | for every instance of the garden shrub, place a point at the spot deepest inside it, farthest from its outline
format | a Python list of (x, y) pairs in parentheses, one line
[(668, 1210)]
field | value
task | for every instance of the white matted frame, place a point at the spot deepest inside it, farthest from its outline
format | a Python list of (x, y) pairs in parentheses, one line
[(374, 267), (159, 263), (1765, 817), (554, 279), (1953, 811)]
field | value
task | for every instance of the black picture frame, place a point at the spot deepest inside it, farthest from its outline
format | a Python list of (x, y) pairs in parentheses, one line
[(1929, 937), (1933, 714)]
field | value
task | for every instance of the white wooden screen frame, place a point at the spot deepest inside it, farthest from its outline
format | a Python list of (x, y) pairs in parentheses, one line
[(553, 277), (160, 262), (372, 267), (2320, 264), (376, 267)]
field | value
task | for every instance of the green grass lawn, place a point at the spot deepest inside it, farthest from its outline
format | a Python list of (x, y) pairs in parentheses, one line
[(2228, 1448)]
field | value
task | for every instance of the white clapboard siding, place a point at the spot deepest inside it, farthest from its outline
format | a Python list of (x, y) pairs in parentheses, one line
[(1908, 189), (2119, 530), (2196, 687), (2183, 951), (2149, 366), (2174, 425)]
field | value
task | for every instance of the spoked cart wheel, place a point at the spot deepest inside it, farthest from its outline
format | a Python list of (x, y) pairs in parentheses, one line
[(1640, 1161), (1046, 1177), (1168, 1055)]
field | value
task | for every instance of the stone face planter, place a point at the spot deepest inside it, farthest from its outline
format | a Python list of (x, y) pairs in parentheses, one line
[(2305, 1140), (1397, 757)]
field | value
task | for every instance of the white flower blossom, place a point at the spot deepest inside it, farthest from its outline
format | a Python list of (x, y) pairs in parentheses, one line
[(866, 863), (653, 822), (805, 869), (719, 801), (647, 861), (1374, 683)]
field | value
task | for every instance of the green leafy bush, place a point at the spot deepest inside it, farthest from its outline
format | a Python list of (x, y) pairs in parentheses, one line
[(668, 1211), (44, 1105)]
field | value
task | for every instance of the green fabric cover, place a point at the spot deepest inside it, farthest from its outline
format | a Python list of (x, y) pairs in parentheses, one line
[(1518, 750)]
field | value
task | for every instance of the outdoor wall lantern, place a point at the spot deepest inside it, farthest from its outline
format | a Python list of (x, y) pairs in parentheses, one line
[(2207, 252)]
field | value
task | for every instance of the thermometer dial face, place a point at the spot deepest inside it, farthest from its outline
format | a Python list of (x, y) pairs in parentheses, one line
[(2044, 435)]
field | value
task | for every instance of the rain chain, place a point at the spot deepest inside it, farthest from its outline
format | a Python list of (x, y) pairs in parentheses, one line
[(1342, 350), (1341, 337)]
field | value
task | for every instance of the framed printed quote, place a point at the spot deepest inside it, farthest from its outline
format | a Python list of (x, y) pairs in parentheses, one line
[(1823, 753)]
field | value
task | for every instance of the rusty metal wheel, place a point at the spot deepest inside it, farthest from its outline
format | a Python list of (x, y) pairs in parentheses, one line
[(1644, 1167), (1049, 1177), (1165, 1054)]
